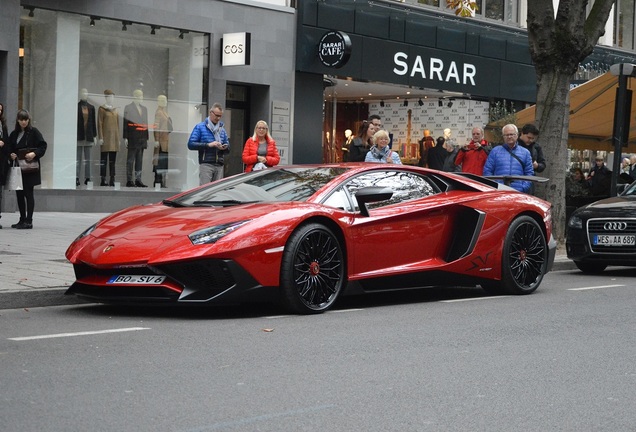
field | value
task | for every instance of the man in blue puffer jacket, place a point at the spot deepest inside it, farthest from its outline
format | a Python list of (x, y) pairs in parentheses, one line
[(510, 158), (210, 139)]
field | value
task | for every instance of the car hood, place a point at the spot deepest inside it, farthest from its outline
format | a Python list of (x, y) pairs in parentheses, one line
[(610, 207), (160, 233)]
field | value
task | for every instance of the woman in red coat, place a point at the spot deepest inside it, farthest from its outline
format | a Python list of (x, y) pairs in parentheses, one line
[(260, 148)]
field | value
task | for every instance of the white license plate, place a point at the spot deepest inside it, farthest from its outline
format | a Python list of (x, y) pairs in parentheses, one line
[(136, 280), (614, 240)]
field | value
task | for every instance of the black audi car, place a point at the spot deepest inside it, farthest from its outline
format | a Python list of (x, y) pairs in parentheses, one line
[(603, 233)]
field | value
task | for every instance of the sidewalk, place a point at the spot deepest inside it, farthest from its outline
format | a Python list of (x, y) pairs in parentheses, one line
[(34, 271)]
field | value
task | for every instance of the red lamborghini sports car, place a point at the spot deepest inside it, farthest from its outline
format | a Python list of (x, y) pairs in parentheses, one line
[(306, 234)]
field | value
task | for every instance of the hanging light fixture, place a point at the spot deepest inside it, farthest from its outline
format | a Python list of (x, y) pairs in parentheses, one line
[(181, 33), (382, 103), (93, 19), (440, 103), (406, 102), (124, 25), (30, 9), (153, 29), (419, 102), (450, 103)]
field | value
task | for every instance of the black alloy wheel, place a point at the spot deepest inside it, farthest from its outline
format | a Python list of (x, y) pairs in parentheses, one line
[(524, 259), (312, 270)]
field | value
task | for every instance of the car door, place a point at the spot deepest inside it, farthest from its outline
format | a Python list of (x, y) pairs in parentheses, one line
[(403, 233)]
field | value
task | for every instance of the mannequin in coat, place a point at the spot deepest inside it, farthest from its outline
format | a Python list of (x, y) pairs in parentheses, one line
[(135, 138), (108, 133), (163, 127), (86, 133)]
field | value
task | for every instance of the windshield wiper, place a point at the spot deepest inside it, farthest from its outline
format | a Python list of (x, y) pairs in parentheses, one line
[(171, 203), (222, 203)]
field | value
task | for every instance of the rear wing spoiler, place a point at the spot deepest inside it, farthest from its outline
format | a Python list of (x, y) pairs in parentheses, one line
[(507, 179)]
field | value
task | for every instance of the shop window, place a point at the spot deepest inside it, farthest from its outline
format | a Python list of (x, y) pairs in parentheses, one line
[(625, 23), (69, 58)]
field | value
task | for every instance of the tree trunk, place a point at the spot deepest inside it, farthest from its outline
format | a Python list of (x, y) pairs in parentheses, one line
[(552, 114)]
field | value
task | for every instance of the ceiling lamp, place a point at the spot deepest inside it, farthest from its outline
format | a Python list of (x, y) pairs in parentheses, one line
[(419, 102), (181, 33), (440, 103), (382, 103), (450, 103), (406, 102), (124, 25)]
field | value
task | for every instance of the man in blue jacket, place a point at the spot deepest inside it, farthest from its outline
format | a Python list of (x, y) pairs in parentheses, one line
[(510, 158), (210, 139)]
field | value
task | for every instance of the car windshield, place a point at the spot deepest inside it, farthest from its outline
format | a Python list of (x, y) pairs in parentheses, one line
[(630, 190), (279, 184)]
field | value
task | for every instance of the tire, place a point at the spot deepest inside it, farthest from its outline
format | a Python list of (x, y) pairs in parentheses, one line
[(312, 271), (524, 259), (590, 267)]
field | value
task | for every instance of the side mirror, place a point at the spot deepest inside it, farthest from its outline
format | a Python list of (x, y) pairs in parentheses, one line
[(371, 194)]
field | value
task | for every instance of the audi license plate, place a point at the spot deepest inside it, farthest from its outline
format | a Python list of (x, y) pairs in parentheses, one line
[(614, 240), (136, 280)]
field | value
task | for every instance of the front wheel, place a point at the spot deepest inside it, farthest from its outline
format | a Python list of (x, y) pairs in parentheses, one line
[(524, 258), (313, 270)]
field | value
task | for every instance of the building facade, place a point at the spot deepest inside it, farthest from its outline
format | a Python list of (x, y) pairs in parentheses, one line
[(443, 71), (174, 59)]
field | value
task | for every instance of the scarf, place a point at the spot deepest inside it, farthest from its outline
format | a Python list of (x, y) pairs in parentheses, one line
[(380, 154), (215, 129)]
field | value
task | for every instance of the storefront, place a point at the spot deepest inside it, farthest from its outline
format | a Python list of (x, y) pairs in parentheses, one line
[(80, 65), (448, 73)]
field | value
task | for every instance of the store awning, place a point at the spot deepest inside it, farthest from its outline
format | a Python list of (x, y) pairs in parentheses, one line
[(591, 115)]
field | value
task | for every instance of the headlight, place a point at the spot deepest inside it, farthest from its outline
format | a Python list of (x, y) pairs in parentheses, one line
[(86, 232), (213, 234), (575, 222)]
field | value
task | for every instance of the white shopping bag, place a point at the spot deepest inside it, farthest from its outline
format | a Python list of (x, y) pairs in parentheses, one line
[(14, 179)]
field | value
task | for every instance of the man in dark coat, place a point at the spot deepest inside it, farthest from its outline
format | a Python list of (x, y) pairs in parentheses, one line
[(437, 155)]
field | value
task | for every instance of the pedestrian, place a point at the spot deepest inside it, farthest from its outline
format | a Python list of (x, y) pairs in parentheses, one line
[(510, 159), (380, 151), (528, 139), (260, 149), (376, 121), (473, 155), (362, 142), (599, 179), (210, 139), (4, 153), (26, 143), (438, 154)]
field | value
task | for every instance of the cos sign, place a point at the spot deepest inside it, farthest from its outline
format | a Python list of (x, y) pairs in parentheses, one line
[(334, 49), (235, 49)]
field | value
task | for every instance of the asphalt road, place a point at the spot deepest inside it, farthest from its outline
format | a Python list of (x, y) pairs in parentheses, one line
[(560, 359)]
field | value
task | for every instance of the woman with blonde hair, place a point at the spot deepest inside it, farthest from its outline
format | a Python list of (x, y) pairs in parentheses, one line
[(380, 152), (260, 149)]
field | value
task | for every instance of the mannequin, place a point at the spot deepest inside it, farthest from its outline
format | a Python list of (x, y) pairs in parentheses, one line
[(135, 138), (86, 133), (108, 133), (345, 147), (163, 127), (425, 144)]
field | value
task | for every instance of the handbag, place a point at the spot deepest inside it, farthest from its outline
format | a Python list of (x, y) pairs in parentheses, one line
[(14, 180), (27, 166)]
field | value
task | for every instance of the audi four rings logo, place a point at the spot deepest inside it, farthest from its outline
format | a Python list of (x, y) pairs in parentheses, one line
[(615, 226)]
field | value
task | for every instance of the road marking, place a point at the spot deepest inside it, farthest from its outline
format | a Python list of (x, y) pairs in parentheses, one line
[(473, 299), (345, 310), (595, 287), (60, 335)]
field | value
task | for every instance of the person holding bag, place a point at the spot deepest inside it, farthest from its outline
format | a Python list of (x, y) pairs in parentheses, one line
[(4, 153), (27, 143), (261, 149)]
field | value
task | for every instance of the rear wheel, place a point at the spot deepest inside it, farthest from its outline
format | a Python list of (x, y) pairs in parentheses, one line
[(524, 258), (313, 270), (590, 267)]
